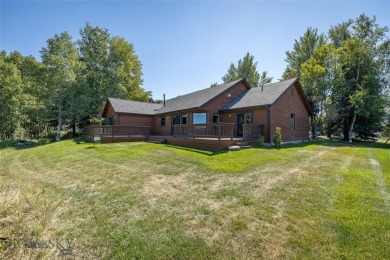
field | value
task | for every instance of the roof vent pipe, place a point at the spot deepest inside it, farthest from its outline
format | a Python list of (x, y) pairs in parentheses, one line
[(164, 99), (262, 87)]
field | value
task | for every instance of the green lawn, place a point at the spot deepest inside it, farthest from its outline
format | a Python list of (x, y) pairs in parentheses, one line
[(149, 201)]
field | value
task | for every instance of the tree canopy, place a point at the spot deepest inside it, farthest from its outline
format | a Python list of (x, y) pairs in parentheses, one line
[(70, 84), (345, 76), (246, 68)]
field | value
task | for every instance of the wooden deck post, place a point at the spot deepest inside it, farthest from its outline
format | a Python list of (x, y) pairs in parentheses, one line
[(219, 132)]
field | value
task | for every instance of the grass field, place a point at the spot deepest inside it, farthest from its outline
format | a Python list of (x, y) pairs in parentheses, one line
[(148, 201)]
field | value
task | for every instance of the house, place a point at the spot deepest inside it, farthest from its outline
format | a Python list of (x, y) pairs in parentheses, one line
[(228, 111)]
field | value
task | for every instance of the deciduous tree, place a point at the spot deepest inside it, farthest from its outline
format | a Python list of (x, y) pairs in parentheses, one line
[(61, 60)]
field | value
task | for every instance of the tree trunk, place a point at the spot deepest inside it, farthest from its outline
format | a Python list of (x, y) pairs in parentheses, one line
[(59, 126), (314, 127), (388, 139), (351, 127), (74, 130)]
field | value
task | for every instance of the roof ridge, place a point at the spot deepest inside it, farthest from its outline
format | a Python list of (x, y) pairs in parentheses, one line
[(235, 100), (209, 88), (130, 100)]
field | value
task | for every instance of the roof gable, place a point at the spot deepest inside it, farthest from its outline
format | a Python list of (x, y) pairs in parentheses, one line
[(198, 98), (260, 96)]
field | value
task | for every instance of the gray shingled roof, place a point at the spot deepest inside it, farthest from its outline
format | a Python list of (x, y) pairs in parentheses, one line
[(134, 107), (249, 98), (260, 97), (194, 99)]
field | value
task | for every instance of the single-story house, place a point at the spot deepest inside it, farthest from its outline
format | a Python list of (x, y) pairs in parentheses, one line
[(233, 109)]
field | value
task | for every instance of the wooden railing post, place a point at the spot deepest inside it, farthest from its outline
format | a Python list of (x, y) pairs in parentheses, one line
[(219, 127)]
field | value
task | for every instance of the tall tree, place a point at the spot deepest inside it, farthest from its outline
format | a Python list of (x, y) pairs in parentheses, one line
[(302, 50), (357, 89), (316, 77), (93, 47), (61, 60), (308, 60), (127, 71), (10, 97), (246, 68), (111, 69)]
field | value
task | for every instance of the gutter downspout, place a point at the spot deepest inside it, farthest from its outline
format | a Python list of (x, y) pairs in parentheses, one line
[(268, 124)]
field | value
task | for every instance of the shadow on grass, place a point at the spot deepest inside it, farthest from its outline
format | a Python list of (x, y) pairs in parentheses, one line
[(334, 143), (197, 150), (319, 142), (27, 144), (20, 144)]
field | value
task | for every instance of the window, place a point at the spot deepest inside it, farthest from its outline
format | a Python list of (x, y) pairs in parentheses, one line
[(292, 122), (216, 118), (111, 121), (199, 118), (162, 121), (179, 119)]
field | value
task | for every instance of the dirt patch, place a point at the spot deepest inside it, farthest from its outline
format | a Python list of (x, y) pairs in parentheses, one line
[(164, 187)]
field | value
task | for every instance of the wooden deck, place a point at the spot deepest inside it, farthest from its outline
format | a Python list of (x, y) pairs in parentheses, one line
[(116, 133), (211, 137), (201, 142)]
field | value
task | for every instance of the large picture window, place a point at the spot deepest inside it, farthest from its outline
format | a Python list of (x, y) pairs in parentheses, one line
[(199, 118)]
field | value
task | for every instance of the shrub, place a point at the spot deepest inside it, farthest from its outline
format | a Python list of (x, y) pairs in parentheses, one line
[(278, 138), (43, 141), (260, 141), (20, 133)]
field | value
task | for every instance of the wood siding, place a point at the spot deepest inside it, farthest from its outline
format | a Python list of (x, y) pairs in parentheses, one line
[(291, 101)]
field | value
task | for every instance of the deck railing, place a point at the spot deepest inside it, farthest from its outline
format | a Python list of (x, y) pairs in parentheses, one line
[(115, 130), (252, 131), (215, 130)]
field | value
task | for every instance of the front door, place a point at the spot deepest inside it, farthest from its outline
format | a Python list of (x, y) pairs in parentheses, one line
[(242, 118), (240, 122)]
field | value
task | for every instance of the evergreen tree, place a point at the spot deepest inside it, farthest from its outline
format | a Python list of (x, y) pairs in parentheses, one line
[(246, 68)]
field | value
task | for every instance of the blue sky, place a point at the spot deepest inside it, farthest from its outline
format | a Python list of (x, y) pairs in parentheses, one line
[(184, 45)]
